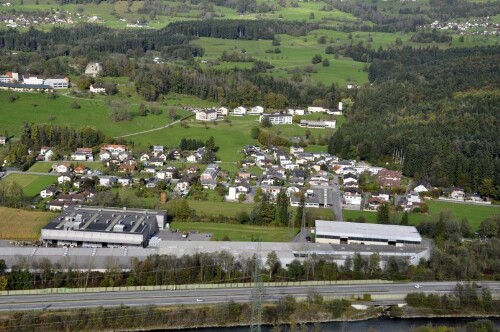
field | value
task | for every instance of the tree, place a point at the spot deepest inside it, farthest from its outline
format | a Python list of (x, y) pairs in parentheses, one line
[(84, 82), (322, 40), (254, 132), (300, 211), (74, 105), (316, 59), (273, 263), (383, 214), (404, 219), (282, 203), (326, 62), (265, 122), (209, 154), (311, 16)]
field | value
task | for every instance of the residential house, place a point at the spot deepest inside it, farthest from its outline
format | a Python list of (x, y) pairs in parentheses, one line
[(65, 178), (155, 162), (127, 167), (157, 149), (271, 190), (80, 169), (240, 111), (375, 203), (55, 205), (292, 111), (149, 169), (206, 115), (457, 193), (222, 111), (244, 187), (256, 110), (210, 173), (107, 181), (3, 140), (94, 69), (124, 182), (182, 185), (62, 168), (45, 154), (192, 158), (82, 154), (151, 183), (294, 150), (388, 178), (48, 192), (352, 197), (144, 157), (385, 196), (422, 186)]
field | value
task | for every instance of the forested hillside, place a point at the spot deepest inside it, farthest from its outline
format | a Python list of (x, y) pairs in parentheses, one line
[(434, 114)]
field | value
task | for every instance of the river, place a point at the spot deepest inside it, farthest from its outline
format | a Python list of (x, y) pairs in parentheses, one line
[(378, 324)]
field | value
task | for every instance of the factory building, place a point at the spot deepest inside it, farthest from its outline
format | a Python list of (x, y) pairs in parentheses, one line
[(340, 232), (84, 226)]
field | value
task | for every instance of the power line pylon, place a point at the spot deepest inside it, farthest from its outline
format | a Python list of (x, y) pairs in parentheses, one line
[(257, 291)]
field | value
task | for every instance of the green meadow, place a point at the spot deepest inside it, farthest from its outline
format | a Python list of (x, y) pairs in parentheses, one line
[(475, 214), (31, 184), (296, 53), (237, 232)]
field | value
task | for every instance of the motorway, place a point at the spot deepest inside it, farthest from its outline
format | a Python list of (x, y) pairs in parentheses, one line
[(221, 295)]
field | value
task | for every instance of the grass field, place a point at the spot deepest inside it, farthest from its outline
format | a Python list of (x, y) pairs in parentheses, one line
[(31, 184), (475, 214), (296, 53), (236, 232), (18, 224)]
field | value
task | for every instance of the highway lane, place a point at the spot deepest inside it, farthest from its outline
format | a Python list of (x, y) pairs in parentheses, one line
[(218, 295)]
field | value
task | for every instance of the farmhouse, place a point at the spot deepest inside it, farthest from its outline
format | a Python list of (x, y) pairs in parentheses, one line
[(103, 227), (3, 140), (97, 88), (339, 232)]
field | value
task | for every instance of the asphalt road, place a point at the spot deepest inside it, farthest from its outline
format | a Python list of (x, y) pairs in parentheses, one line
[(198, 296)]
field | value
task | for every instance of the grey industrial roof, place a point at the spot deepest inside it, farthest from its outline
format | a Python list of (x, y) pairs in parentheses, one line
[(362, 230), (82, 218)]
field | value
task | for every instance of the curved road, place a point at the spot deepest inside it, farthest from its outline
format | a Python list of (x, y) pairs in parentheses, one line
[(169, 297)]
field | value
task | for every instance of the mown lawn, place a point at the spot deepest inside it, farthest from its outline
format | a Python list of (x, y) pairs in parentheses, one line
[(18, 224), (236, 232), (93, 112), (31, 184), (475, 214)]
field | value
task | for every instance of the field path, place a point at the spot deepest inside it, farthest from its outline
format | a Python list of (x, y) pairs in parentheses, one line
[(154, 129)]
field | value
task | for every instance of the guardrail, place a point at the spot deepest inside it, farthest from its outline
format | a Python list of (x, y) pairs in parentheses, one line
[(187, 287)]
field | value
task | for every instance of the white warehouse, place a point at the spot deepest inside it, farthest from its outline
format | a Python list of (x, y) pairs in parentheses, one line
[(340, 232)]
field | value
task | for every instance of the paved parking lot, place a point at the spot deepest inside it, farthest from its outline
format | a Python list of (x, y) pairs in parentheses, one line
[(169, 235)]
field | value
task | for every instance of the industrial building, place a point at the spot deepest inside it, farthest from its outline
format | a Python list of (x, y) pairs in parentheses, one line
[(339, 232), (84, 226)]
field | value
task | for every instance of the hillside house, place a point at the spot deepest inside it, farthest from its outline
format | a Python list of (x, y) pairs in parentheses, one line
[(94, 69)]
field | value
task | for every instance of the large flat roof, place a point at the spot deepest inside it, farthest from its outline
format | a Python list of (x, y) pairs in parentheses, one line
[(369, 231)]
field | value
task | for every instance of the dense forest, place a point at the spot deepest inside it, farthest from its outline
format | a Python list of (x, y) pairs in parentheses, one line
[(432, 113)]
